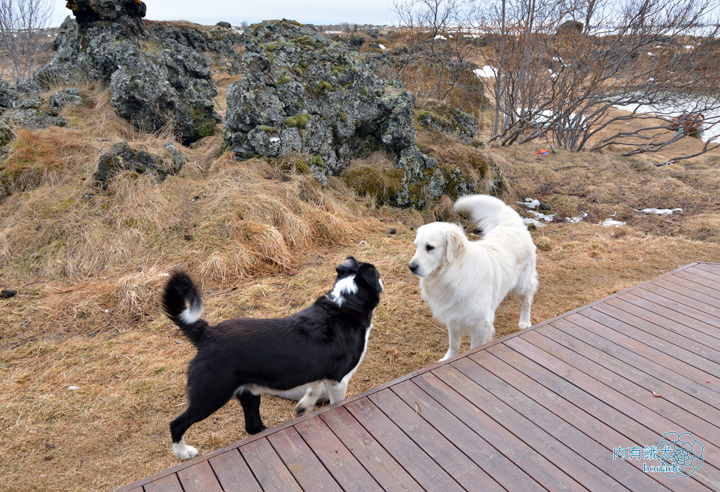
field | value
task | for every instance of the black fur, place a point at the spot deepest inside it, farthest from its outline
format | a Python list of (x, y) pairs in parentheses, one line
[(323, 342)]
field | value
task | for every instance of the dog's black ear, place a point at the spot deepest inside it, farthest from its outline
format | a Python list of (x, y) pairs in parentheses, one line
[(370, 276), (349, 265)]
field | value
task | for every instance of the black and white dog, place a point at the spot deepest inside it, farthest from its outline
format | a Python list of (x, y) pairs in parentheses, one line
[(245, 357)]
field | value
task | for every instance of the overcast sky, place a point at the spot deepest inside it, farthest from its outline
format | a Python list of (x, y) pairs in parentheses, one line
[(210, 12)]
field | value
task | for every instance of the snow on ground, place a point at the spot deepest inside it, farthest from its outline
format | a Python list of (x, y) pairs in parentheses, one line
[(661, 211), (612, 222), (486, 72)]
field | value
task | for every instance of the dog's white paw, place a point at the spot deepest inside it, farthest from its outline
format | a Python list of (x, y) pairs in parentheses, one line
[(301, 410), (183, 451), (447, 356), (524, 325)]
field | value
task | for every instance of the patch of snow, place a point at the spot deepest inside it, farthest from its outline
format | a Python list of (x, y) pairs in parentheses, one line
[(661, 211), (382, 46), (73, 388), (274, 139), (711, 125), (530, 203), (440, 36), (612, 222), (575, 220), (535, 222), (486, 72), (542, 216)]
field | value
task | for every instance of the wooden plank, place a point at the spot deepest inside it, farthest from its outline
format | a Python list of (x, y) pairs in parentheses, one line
[(199, 478), (418, 464), (621, 430), (169, 483), (233, 473), (576, 353), (269, 470), (698, 382), (648, 373), (347, 471), (571, 451), (378, 462), (481, 452), (531, 462), (698, 276), (463, 470), (685, 301), (651, 334), (658, 424), (629, 473), (301, 461), (707, 272), (684, 327), (681, 312), (681, 287), (713, 268)]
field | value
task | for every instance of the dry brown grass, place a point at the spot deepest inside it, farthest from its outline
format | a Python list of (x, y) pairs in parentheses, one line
[(262, 242)]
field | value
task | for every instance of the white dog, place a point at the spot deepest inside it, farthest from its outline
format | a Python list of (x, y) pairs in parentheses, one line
[(464, 282)]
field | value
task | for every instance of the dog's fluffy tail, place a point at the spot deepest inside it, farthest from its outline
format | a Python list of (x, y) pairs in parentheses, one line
[(183, 305), (486, 212)]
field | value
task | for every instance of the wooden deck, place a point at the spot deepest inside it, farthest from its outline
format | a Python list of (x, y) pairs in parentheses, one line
[(572, 403)]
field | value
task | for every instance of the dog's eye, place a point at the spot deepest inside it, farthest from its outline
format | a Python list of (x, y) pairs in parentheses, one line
[(429, 248)]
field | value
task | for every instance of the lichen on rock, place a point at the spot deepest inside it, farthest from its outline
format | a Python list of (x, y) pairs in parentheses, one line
[(155, 80), (122, 157), (321, 100)]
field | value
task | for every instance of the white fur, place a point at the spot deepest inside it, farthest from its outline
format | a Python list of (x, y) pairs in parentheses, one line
[(310, 394), (464, 282), (346, 285), (191, 314), (183, 451)]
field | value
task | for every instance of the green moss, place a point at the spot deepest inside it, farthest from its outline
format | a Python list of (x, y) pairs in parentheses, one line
[(284, 78), (302, 167), (270, 47), (317, 160), (268, 129), (364, 91), (299, 166), (383, 184), (297, 121), (323, 86)]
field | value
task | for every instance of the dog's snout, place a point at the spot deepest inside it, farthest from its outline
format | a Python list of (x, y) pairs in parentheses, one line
[(413, 266)]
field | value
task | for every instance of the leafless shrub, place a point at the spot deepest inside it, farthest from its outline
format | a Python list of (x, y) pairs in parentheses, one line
[(23, 34), (561, 68)]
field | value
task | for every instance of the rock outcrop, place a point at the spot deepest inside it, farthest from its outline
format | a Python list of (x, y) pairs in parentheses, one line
[(220, 42), (123, 158), (444, 118), (305, 94), (155, 81), (22, 106)]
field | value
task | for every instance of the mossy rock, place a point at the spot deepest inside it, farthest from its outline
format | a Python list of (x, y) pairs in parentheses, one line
[(297, 121), (366, 180)]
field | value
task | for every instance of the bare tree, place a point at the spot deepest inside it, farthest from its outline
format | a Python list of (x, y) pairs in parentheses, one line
[(23, 33), (440, 45), (563, 65)]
